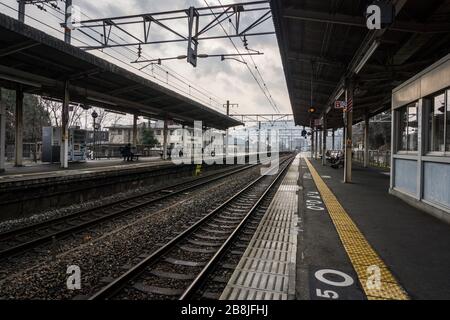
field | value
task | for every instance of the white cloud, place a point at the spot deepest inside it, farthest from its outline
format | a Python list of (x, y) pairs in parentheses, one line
[(227, 80)]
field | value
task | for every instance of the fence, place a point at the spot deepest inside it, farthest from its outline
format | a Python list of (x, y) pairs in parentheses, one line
[(114, 150), (31, 151), (377, 158)]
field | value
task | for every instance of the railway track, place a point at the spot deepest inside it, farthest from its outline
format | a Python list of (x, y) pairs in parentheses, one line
[(16, 241), (179, 268)]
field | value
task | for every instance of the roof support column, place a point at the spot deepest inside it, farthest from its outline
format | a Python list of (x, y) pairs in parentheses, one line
[(366, 140), (135, 133), (332, 139), (319, 143), (316, 144), (348, 134), (64, 152), (18, 159), (2, 133), (324, 140), (312, 142), (165, 139)]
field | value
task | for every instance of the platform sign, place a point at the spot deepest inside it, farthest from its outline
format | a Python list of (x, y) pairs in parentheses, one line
[(340, 104), (331, 283)]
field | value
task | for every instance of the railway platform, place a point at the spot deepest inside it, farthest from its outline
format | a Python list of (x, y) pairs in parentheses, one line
[(42, 171), (323, 239)]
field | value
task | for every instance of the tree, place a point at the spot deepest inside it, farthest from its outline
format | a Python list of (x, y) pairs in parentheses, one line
[(35, 116), (148, 137)]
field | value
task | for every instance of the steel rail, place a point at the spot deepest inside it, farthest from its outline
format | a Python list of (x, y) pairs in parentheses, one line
[(119, 283), (199, 280), (54, 235)]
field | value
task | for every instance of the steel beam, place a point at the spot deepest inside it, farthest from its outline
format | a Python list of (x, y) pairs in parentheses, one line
[(165, 139), (18, 159), (348, 143), (2, 133), (18, 47), (135, 131), (366, 139), (360, 22), (64, 151), (324, 140)]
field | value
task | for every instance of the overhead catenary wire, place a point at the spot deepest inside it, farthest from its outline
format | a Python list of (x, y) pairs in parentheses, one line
[(254, 64), (251, 72), (209, 97), (167, 72)]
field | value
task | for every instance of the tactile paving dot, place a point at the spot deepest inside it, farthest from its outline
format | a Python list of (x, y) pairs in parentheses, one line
[(264, 271), (358, 249)]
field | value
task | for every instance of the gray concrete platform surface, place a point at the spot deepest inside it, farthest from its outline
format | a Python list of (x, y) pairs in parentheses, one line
[(412, 244)]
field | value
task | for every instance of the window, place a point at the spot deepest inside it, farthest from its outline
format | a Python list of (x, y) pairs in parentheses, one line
[(158, 132), (119, 131), (436, 124), (447, 141), (407, 128)]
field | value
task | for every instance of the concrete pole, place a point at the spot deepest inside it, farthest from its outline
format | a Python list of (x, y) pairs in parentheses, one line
[(259, 137), (332, 139), (348, 138), (64, 151), (226, 132), (366, 140), (165, 139), (19, 127), (21, 11), (67, 31), (135, 133), (2, 133), (324, 141), (183, 139)]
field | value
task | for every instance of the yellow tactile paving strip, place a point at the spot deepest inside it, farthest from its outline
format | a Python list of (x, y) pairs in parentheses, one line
[(358, 249)]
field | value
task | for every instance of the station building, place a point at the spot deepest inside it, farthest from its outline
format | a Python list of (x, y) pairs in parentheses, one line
[(420, 171)]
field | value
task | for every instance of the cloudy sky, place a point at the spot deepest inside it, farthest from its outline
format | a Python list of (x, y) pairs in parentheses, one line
[(217, 81)]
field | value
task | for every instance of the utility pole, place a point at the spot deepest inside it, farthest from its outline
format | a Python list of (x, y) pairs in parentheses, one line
[(21, 10), (68, 16)]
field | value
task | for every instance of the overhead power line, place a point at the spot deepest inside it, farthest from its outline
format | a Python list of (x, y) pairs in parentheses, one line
[(271, 102)]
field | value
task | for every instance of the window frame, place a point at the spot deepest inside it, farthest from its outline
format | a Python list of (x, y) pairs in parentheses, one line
[(426, 124), (397, 129)]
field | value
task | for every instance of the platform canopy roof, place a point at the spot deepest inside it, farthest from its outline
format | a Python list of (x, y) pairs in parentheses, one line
[(327, 41), (42, 64)]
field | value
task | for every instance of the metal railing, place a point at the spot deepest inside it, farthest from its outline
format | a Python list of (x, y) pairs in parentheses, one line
[(381, 159)]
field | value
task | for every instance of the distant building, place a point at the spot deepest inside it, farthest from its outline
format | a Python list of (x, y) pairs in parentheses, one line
[(123, 134), (175, 137)]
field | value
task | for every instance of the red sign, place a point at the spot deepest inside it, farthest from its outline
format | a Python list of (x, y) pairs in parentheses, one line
[(340, 104)]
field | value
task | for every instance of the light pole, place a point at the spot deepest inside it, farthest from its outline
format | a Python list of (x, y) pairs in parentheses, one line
[(94, 116)]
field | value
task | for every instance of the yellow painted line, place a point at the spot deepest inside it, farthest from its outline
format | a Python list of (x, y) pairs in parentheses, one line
[(359, 251)]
